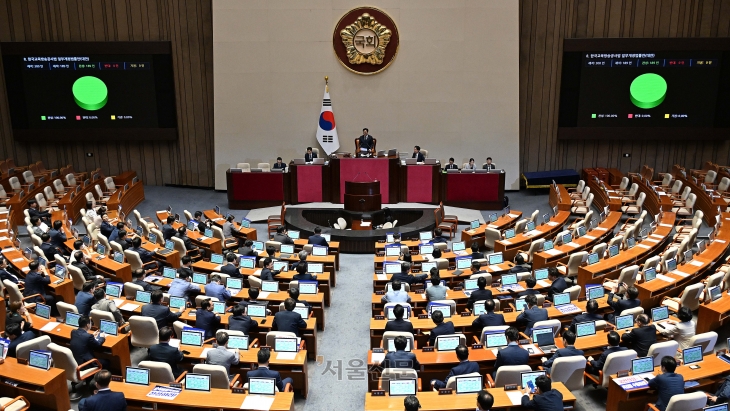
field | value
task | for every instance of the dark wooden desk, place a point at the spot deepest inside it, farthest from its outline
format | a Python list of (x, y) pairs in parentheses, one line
[(481, 191), (46, 389), (468, 236), (244, 190), (712, 316), (560, 197), (521, 242)]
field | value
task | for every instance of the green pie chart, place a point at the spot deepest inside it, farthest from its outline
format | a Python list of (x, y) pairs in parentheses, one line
[(648, 90), (90, 93)]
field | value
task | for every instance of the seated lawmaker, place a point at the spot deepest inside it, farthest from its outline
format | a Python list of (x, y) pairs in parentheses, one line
[(103, 399), (620, 302), (35, 211), (436, 291), (405, 275), (279, 165), (221, 355), (400, 358), (247, 249), (545, 397), (263, 371), (164, 352), (58, 237), (310, 155), (464, 367), (531, 314), (395, 294), (161, 313), (282, 235), (317, 238), (215, 289), (591, 314), (451, 165), (642, 337), (366, 141), (512, 354), (288, 320), (479, 294), (441, 328), (531, 282), (14, 332), (475, 254), (613, 339), (558, 283), (303, 275), (418, 155), (668, 383), (438, 237), (569, 350), (682, 331), (240, 321), (399, 324), (488, 319), (231, 266), (206, 319), (489, 165)]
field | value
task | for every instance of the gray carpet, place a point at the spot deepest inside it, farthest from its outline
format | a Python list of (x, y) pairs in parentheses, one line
[(338, 376)]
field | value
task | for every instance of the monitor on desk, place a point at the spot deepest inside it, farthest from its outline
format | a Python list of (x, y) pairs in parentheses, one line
[(624, 322), (178, 302), (509, 233), (200, 278), (217, 210), (302, 311), (444, 308), (216, 258), (169, 272), (581, 231), (113, 290), (245, 223), (108, 327), (541, 274), (470, 284), (463, 263), (72, 319), (715, 292), (447, 342), (281, 266), (392, 268), (546, 218), (40, 359), (468, 385), (671, 264), (401, 388), (169, 245), (256, 310), (238, 342), (527, 379), (247, 262), (287, 249), (327, 237), (392, 251), (315, 268), (537, 331), (389, 237), (425, 249), (270, 286), (592, 258), (219, 307), (495, 339), (474, 224), (561, 299), (642, 365), (530, 226), (319, 251), (197, 382), (718, 407), (189, 337), (262, 386), (520, 304), (478, 310), (285, 344), (234, 283), (429, 284), (594, 293), (492, 218), (101, 249), (692, 355), (585, 329), (308, 287), (567, 238), (630, 242), (688, 256), (649, 274), (258, 246), (701, 246), (509, 279), (425, 236), (458, 246), (293, 234), (60, 272), (43, 311), (192, 226), (139, 376), (659, 313), (389, 312), (495, 258), (548, 245), (86, 239), (426, 267)]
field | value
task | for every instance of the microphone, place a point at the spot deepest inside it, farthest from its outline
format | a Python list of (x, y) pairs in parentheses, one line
[(371, 179), (356, 176)]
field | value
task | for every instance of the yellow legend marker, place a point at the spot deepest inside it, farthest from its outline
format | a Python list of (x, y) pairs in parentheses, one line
[(115, 117), (666, 116)]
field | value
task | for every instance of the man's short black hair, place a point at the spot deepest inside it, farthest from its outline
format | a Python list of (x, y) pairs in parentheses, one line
[(263, 356), (489, 305), (280, 229), (474, 246), (83, 321), (221, 338), (669, 363), (156, 296), (88, 286), (79, 256), (684, 314), (278, 158), (138, 273), (253, 293), (553, 272), (33, 265), (512, 334), (531, 282), (13, 329), (170, 219), (301, 268), (45, 237), (99, 294), (238, 309), (32, 201), (592, 307), (417, 148), (437, 232), (103, 378), (519, 259), (289, 304), (34, 220), (57, 224), (531, 300), (436, 253), (435, 279), (489, 158), (396, 285), (437, 317), (165, 333), (633, 292), (120, 225), (231, 257), (317, 230), (485, 400), (569, 337), (642, 319), (309, 148), (294, 293), (613, 338), (136, 242), (400, 343), (398, 311), (365, 129), (451, 158), (198, 214), (482, 282), (462, 352), (206, 304), (411, 403), (543, 383), (405, 267)]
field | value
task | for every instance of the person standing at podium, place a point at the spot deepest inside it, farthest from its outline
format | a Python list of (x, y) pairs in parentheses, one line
[(310, 155), (366, 142), (418, 155)]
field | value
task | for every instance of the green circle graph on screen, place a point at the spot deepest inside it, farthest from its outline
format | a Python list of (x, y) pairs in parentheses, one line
[(90, 93), (648, 90)]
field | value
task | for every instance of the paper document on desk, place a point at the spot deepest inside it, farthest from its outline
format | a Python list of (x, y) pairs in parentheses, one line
[(552, 223), (574, 245), (601, 228), (515, 396), (174, 342), (679, 273), (513, 215), (543, 283), (697, 263), (204, 354), (286, 355), (506, 242), (49, 326), (165, 393), (377, 357), (657, 236), (643, 246), (365, 223), (263, 295), (533, 233), (9, 249), (589, 237), (257, 272), (553, 251), (665, 278), (17, 260), (257, 402), (129, 307), (492, 226), (382, 277), (651, 240), (118, 302), (494, 267), (665, 225)]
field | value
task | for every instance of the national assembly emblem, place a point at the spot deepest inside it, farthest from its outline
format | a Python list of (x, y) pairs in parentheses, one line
[(366, 40)]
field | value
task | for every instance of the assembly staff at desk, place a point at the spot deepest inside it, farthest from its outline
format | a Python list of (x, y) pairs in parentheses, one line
[(310, 155), (489, 165), (418, 155), (451, 165), (366, 141)]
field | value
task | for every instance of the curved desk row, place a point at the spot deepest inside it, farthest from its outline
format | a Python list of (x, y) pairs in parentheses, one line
[(521, 242), (502, 223)]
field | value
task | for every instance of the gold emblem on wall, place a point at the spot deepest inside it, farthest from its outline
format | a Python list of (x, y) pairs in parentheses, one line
[(366, 40)]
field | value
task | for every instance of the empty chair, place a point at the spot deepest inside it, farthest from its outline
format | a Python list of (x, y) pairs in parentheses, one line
[(507, 374), (628, 275), (574, 292), (636, 311), (70, 180), (689, 298), (574, 262), (271, 337), (144, 331), (109, 184), (63, 358), (709, 177), (666, 179), (23, 349), (160, 372), (342, 223), (15, 184), (582, 207), (76, 276), (28, 177), (637, 207), (188, 215), (394, 374), (569, 371), (63, 308), (450, 303), (490, 236), (683, 402), (706, 340), (688, 208), (265, 167), (676, 188), (14, 294), (600, 249), (629, 196), (520, 226), (578, 189), (662, 349), (615, 362), (245, 167), (18, 403)]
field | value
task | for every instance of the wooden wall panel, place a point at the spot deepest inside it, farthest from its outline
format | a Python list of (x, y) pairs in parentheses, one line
[(543, 26), (187, 24)]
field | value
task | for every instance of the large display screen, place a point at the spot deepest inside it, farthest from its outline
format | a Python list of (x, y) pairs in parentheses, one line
[(81, 91), (645, 88)]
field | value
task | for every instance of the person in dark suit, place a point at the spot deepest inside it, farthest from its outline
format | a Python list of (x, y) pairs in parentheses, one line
[(49, 250), (438, 237), (303, 275), (231, 266), (161, 313), (164, 352), (5, 275), (253, 295), (85, 299), (451, 165), (545, 398), (317, 238), (591, 314), (106, 228), (642, 337), (268, 273), (14, 333), (104, 399), (138, 276), (722, 395), (263, 371), (512, 354), (18, 314), (399, 324), (35, 283), (288, 320), (282, 236), (58, 237), (594, 366), (404, 275), (240, 321), (668, 383), (441, 328), (620, 302), (558, 283), (206, 320), (520, 265), (568, 350), (247, 249), (531, 282), (182, 233), (464, 367), (310, 155), (480, 294), (294, 295), (476, 268), (489, 165), (490, 319), (400, 358), (475, 254), (83, 344), (34, 211), (418, 155), (279, 165), (366, 141), (168, 231), (79, 263), (148, 261), (201, 222), (532, 314)]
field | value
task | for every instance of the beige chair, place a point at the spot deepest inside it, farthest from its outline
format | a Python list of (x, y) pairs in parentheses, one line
[(709, 177), (682, 229), (574, 262), (116, 247), (70, 180), (64, 308), (579, 188), (18, 403), (14, 294), (218, 376), (533, 216), (554, 324), (706, 340), (637, 207), (395, 374), (98, 315), (451, 382), (178, 327), (188, 215), (488, 276), (144, 331), (77, 277), (615, 362), (507, 374), (490, 236), (636, 311), (160, 237), (628, 275), (689, 298), (600, 249), (130, 290), (683, 402), (666, 179), (662, 349), (134, 260), (275, 244), (15, 184), (28, 177), (271, 337), (40, 343), (200, 298), (668, 254), (489, 330), (713, 280), (520, 226), (226, 243), (104, 241), (100, 197), (535, 247), (392, 334), (680, 199), (63, 358), (630, 196), (265, 167), (574, 292), (404, 287), (569, 371), (245, 167), (160, 372), (688, 208), (582, 207)]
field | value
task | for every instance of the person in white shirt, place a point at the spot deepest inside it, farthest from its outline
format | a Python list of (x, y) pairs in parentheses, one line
[(436, 291), (396, 294), (682, 331), (471, 165)]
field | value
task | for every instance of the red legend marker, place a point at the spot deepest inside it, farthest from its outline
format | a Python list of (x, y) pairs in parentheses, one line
[(631, 116), (78, 117)]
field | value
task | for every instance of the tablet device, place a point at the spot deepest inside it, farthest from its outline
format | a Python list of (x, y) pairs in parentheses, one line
[(585, 329), (197, 382), (40, 359), (401, 388), (447, 342), (594, 293), (541, 274), (216, 258), (495, 340), (108, 327), (392, 251), (247, 262), (475, 224), (143, 297), (256, 310), (199, 278), (692, 355), (624, 322), (463, 263), (458, 246), (319, 251), (308, 287), (270, 286), (178, 302), (468, 385), (287, 248), (234, 283), (139, 376), (285, 344), (43, 311), (237, 341), (192, 338), (113, 290), (261, 386), (169, 272), (72, 319)]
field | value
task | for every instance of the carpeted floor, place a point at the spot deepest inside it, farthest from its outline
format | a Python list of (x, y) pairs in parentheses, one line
[(337, 378)]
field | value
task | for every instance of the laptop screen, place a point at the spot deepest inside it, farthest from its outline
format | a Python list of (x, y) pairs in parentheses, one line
[(258, 245), (101, 249), (293, 234), (426, 267), (475, 224), (692, 355), (282, 266), (234, 283), (492, 218), (287, 248), (530, 226), (624, 321), (561, 299), (495, 258), (541, 274), (520, 305), (43, 311), (447, 343), (191, 338), (389, 312), (592, 258), (581, 231), (72, 319), (547, 245), (108, 327), (60, 271), (584, 329), (197, 382), (425, 236), (458, 246), (631, 242), (199, 278), (270, 286), (216, 258), (169, 272), (237, 341), (650, 274), (285, 344), (463, 263), (478, 310), (467, 385), (642, 365), (392, 268), (445, 309), (425, 249), (261, 386), (327, 237), (545, 338), (256, 310), (392, 251), (719, 407), (527, 379), (389, 237), (140, 376), (715, 292), (177, 302), (509, 233), (659, 313), (247, 262), (494, 340), (567, 238), (308, 287), (509, 279), (143, 297), (219, 307), (319, 251), (302, 311), (391, 344), (39, 359), (671, 264), (402, 387), (613, 250), (594, 293), (315, 268), (245, 223), (192, 225), (470, 284), (114, 290)]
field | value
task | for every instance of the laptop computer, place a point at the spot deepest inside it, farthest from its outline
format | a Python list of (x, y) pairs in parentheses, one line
[(643, 367), (262, 386), (237, 341), (585, 329), (544, 339), (659, 314), (624, 322), (495, 340), (692, 355)]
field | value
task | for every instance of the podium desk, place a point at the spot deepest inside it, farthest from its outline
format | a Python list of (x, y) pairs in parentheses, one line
[(480, 191), (560, 198), (309, 183), (46, 389), (216, 398), (384, 169), (713, 315), (420, 183), (363, 196), (254, 190)]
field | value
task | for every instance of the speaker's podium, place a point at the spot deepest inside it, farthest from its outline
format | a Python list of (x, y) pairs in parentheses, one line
[(362, 196)]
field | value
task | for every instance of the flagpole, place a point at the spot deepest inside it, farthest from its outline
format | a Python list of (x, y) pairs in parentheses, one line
[(326, 84)]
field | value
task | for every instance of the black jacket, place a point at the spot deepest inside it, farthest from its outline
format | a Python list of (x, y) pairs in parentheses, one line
[(35, 283), (478, 295), (161, 313), (445, 328), (549, 401), (288, 321), (242, 323), (106, 400), (208, 321), (83, 344), (419, 157), (640, 339), (231, 270), (399, 325), (163, 352), (487, 320), (168, 232), (317, 240), (667, 385), (85, 270)]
